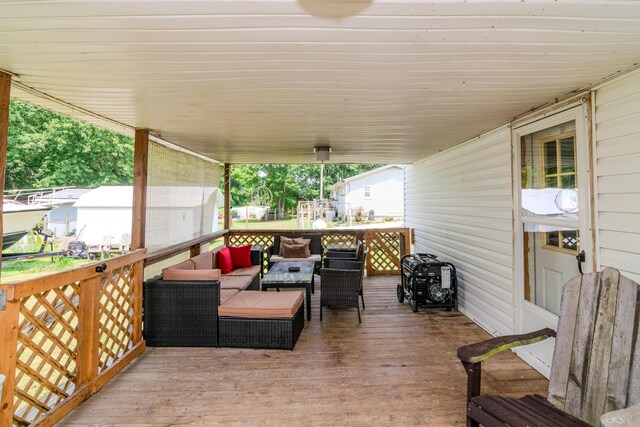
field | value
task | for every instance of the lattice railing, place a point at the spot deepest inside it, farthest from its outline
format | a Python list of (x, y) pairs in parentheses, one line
[(116, 316), (265, 240), (386, 248), (47, 344), (62, 336)]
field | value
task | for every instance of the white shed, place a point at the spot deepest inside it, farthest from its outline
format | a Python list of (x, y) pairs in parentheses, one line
[(379, 190), (106, 211)]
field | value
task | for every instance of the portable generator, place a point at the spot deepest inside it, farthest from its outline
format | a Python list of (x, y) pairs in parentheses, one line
[(427, 281)]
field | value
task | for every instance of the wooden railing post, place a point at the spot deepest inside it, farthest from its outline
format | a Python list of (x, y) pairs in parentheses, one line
[(139, 209), (138, 279), (9, 317), (88, 326), (227, 200)]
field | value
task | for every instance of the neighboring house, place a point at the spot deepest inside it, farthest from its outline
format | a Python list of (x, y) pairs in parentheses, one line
[(63, 217), (105, 213), (379, 190)]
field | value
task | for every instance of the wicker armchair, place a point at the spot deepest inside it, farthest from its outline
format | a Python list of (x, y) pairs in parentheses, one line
[(340, 288), (347, 264), (355, 255)]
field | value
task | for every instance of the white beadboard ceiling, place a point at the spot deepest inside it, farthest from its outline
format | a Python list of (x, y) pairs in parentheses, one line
[(261, 81)]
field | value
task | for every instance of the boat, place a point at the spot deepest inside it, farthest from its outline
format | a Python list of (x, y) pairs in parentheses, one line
[(22, 211)]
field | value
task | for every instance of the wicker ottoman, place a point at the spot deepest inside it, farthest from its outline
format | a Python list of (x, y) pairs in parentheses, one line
[(255, 319)]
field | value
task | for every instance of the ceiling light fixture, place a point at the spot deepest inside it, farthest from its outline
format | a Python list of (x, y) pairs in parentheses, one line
[(323, 153)]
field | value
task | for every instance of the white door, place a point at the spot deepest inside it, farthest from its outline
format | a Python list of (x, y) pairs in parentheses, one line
[(552, 220)]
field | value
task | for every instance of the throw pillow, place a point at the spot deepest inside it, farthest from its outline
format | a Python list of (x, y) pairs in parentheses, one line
[(225, 262), (241, 256), (293, 251), (305, 242), (175, 274), (285, 241)]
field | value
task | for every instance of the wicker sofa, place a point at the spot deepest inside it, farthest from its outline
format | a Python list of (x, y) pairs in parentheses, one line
[(193, 305), (245, 278)]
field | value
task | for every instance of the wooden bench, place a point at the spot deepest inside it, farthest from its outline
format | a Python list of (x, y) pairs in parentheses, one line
[(596, 360)]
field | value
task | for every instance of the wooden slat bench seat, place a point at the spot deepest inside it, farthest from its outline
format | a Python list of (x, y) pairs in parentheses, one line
[(531, 410)]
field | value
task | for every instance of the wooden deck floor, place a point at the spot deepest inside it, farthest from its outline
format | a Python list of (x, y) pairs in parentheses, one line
[(397, 368)]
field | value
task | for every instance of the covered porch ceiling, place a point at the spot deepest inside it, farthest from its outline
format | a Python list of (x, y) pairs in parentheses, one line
[(264, 81)]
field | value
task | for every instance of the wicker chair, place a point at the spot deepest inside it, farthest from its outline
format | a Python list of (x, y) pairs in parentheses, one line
[(347, 264), (340, 288), (355, 255)]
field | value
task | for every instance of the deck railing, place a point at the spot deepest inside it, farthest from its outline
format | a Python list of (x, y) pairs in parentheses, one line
[(386, 245), (63, 336)]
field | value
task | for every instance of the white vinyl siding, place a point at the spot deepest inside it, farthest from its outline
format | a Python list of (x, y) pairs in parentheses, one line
[(460, 205), (617, 155)]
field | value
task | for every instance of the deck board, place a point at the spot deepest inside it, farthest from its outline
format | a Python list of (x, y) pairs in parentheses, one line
[(396, 368)]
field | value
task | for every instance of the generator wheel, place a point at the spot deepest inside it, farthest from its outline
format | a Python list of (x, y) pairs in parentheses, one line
[(400, 293)]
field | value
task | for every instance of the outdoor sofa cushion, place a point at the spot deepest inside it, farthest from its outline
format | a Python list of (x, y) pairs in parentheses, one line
[(174, 274), (313, 257), (184, 265), (204, 261), (252, 271), (226, 294), (262, 305), (240, 283)]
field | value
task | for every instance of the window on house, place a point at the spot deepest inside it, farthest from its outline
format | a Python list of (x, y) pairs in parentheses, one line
[(367, 191), (559, 171)]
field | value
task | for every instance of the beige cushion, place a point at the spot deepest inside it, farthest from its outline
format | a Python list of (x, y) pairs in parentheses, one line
[(262, 305), (184, 265), (293, 251), (288, 241), (252, 271), (235, 282), (203, 261), (313, 257), (173, 274), (284, 241), (214, 258), (225, 294)]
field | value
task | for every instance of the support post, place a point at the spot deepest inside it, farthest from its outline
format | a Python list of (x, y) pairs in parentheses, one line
[(9, 317), (138, 281), (140, 164), (227, 200), (88, 326), (5, 93)]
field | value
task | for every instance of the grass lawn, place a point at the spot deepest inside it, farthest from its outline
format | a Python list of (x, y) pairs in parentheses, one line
[(26, 269)]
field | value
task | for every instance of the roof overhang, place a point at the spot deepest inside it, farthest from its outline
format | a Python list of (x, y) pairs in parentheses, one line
[(263, 81)]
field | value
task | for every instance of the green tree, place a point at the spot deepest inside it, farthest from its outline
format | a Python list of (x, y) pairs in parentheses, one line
[(46, 149), (288, 183)]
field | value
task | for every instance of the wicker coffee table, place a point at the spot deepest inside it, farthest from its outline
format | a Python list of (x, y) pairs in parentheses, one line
[(280, 277)]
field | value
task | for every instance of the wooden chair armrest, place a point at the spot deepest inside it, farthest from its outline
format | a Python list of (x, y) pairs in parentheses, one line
[(622, 417), (477, 352)]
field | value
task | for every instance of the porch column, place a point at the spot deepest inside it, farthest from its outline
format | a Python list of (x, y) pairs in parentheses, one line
[(5, 89), (139, 210), (9, 311), (227, 200)]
